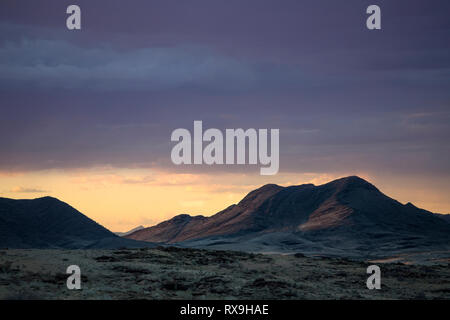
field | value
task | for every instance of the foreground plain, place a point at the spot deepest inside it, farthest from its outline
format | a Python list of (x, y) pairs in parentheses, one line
[(178, 273)]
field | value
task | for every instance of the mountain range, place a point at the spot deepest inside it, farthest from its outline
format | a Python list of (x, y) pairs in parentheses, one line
[(348, 216), (345, 217)]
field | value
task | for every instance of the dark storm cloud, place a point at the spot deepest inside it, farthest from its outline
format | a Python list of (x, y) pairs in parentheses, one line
[(39, 64), (343, 97)]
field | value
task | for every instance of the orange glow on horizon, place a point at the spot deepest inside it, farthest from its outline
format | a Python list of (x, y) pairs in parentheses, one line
[(121, 199)]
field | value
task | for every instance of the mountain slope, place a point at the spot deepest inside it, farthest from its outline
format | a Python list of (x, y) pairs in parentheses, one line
[(50, 223), (445, 217), (342, 214), (123, 234), (229, 221)]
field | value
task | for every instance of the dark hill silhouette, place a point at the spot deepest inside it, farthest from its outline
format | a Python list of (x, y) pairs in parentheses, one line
[(50, 223), (348, 213), (445, 217)]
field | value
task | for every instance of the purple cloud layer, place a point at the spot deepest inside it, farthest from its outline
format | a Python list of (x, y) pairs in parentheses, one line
[(343, 97)]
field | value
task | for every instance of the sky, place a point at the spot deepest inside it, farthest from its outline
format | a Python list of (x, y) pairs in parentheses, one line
[(86, 115)]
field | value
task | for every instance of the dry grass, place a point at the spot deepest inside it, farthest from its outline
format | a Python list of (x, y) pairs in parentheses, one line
[(173, 273)]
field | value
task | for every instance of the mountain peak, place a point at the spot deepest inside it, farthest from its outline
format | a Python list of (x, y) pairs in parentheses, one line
[(353, 179), (269, 187), (40, 198), (48, 198), (182, 217), (261, 193), (352, 182)]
